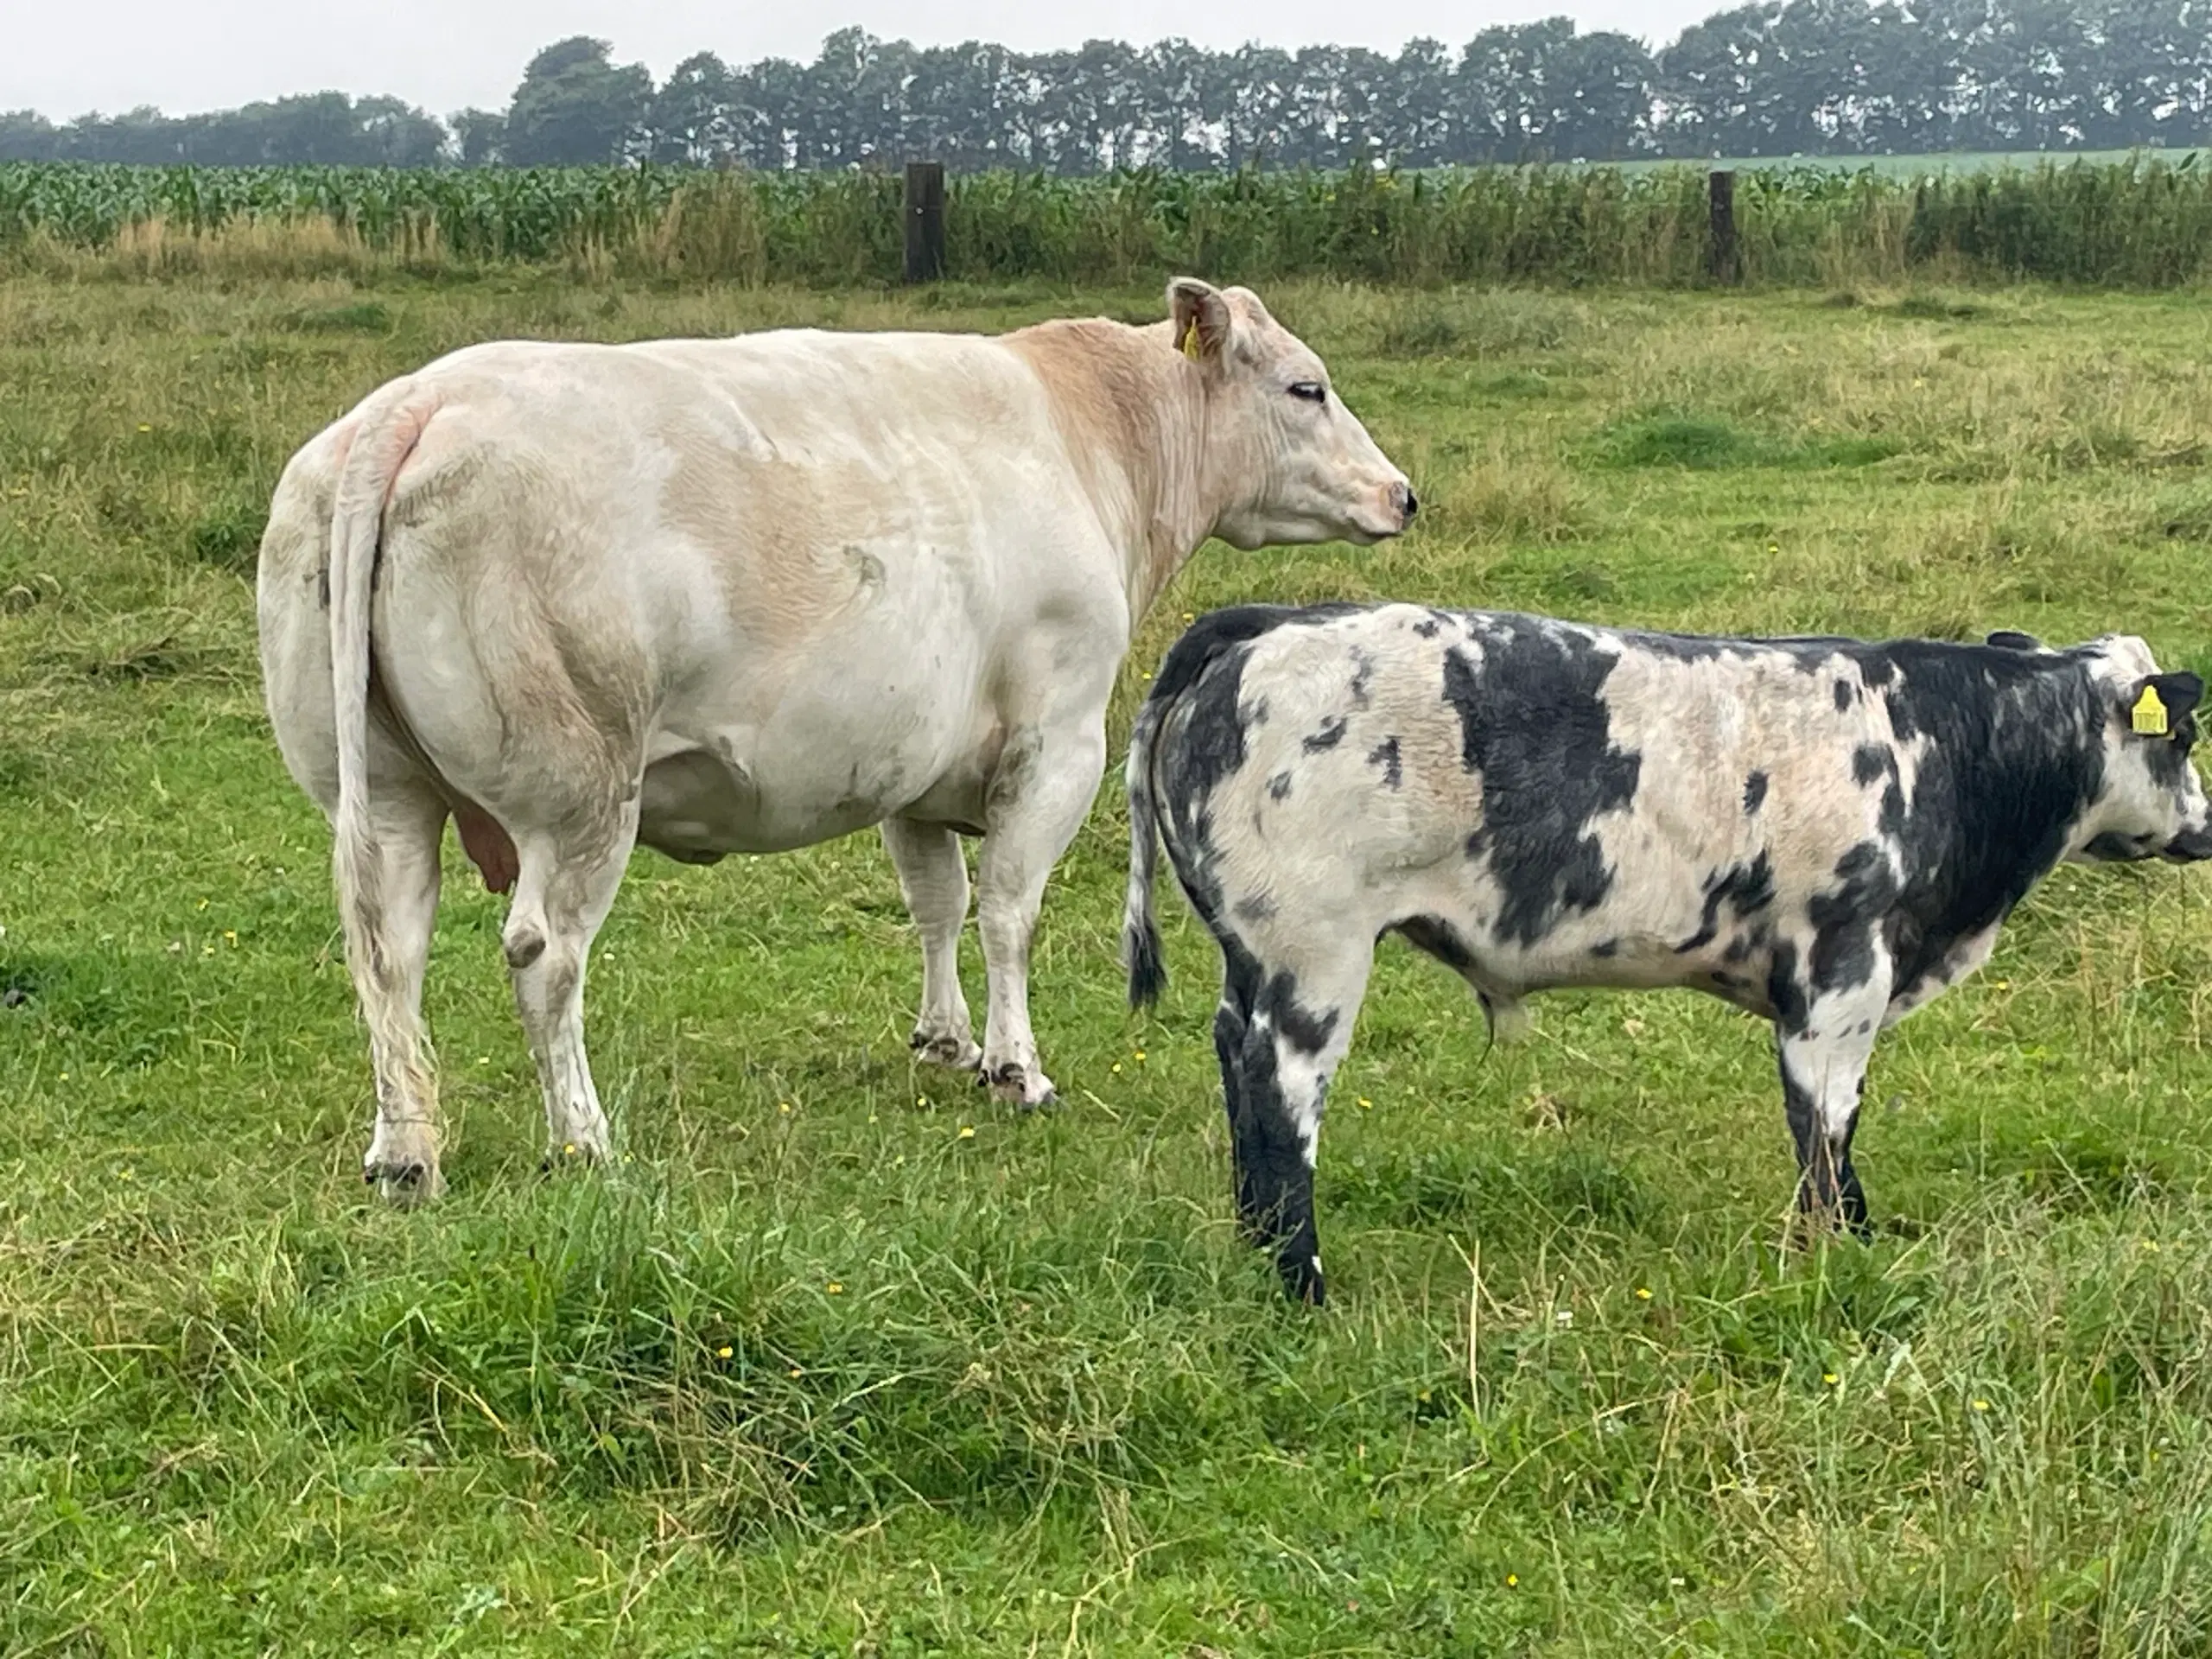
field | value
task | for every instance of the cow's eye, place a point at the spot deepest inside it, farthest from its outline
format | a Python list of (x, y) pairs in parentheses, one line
[(1311, 390)]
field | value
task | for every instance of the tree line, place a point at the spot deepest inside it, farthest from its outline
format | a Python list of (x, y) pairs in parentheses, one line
[(1778, 77)]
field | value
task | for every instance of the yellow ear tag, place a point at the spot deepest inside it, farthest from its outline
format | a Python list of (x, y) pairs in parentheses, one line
[(1190, 342), (2149, 714)]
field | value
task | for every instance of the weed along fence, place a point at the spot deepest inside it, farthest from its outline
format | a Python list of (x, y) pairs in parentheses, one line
[(2144, 223)]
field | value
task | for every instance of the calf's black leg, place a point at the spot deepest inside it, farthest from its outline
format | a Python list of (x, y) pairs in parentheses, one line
[(1231, 1022)]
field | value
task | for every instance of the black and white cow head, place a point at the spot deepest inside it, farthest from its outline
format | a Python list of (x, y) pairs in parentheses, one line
[(2150, 803), (1293, 465)]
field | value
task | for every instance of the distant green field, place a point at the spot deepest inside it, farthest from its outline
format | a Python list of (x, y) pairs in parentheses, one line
[(812, 1370), (1927, 166)]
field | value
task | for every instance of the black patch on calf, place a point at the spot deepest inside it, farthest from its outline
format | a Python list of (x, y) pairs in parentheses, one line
[(1754, 792), (1363, 676), (2167, 758), (1749, 888), (1278, 786), (1534, 724), (2006, 640), (1330, 735), (2014, 754), (1605, 949), (1843, 696), (1783, 993), (1211, 636), (1308, 1033), (1869, 762), (1845, 919), (1385, 755)]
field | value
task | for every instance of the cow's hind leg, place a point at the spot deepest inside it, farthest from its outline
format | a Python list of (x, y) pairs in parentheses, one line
[(1298, 1030), (565, 888), (933, 877), (397, 914), (1036, 804), (1823, 1060)]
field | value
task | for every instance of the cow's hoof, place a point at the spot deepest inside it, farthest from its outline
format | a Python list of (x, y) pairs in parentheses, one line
[(403, 1185), (1016, 1084), (945, 1048)]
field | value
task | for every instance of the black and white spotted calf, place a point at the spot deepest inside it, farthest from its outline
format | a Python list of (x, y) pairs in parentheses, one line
[(1825, 832)]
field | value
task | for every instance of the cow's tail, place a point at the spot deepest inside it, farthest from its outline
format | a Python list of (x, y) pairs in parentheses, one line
[(385, 432), (1186, 661), (1140, 950)]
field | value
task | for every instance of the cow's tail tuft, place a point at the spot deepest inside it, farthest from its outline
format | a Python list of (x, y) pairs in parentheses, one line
[(385, 432)]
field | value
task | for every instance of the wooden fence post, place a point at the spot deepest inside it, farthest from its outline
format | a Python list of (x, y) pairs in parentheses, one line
[(925, 222), (1721, 256)]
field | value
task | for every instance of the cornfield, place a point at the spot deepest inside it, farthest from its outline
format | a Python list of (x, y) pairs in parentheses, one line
[(2139, 223)]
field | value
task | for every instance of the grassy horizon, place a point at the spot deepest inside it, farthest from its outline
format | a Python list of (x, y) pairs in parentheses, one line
[(810, 1370)]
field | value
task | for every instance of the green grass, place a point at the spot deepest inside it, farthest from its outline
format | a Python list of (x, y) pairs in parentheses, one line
[(807, 1371)]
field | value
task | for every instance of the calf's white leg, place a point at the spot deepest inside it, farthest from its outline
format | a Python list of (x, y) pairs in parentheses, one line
[(933, 878), (1823, 1057)]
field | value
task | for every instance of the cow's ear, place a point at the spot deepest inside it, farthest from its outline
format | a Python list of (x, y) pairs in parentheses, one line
[(2161, 702), (1202, 319), (2006, 640)]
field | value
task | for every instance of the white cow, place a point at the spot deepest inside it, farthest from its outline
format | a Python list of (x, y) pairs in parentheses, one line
[(745, 594)]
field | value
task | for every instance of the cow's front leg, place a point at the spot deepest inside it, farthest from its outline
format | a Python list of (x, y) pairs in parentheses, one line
[(933, 878), (1823, 1055), (1045, 782)]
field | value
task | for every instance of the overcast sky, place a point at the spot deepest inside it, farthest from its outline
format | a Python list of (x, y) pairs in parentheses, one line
[(64, 57)]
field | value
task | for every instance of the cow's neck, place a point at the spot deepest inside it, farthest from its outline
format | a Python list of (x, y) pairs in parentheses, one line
[(1133, 415)]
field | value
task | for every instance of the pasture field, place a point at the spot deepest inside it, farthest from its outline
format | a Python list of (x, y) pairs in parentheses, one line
[(838, 1359)]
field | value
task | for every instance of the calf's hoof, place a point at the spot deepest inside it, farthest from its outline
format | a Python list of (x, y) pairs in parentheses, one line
[(1018, 1085), (1301, 1279), (403, 1183), (945, 1048)]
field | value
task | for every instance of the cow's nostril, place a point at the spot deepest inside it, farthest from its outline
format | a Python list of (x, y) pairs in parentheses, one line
[(1408, 502)]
